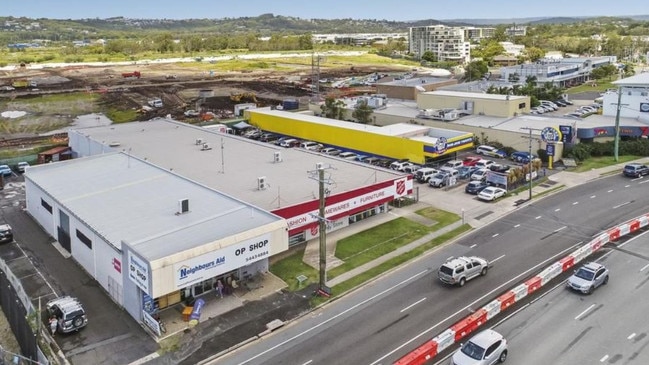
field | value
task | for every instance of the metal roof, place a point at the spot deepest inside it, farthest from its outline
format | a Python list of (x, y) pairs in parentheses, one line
[(414, 81), (460, 94), (641, 80), (233, 164), (123, 198)]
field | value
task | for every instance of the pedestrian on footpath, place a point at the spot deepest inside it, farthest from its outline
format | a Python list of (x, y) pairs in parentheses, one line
[(219, 288), (53, 324)]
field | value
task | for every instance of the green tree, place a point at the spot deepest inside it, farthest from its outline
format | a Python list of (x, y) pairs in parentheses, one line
[(333, 108), (362, 112), (429, 56), (475, 70), (533, 54)]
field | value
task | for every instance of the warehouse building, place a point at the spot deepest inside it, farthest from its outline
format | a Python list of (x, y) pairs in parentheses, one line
[(150, 237), (473, 103)]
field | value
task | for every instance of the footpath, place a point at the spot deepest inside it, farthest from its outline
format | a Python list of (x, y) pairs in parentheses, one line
[(248, 322)]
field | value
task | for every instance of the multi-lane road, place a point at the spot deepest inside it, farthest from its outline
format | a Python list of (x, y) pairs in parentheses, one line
[(393, 315)]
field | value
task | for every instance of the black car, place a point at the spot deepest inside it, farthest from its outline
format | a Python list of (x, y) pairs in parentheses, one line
[(635, 170), (474, 187), (6, 235), (499, 168), (268, 137)]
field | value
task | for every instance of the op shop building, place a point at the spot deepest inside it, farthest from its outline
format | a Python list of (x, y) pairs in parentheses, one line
[(156, 211)]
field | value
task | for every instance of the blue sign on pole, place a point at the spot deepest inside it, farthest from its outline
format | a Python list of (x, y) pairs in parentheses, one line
[(549, 148)]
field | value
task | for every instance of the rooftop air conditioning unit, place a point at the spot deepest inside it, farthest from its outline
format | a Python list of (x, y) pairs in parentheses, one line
[(277, 156), (206, 146), (199, 141), (261, 183), (319, 166), (183, 206)]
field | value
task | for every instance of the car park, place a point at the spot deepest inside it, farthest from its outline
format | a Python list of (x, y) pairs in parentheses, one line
[(459, 270), (69, 313), (635, 170), (479, 174), (483, 164), (490, 151), (348, 155), (5, 170), (491, 193), (475, 187), (521, 156), (6, 234), (486, 348), (471, 160), (588, 278)]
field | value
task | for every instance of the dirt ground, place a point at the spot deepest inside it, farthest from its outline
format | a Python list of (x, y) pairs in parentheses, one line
[(7, 339), (179, 86)]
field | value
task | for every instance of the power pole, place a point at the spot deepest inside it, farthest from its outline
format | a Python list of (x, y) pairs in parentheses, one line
[(319, 176), (617, 123), (530, 152)]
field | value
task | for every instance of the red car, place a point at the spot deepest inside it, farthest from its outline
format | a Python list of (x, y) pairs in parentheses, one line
[(470, 160)]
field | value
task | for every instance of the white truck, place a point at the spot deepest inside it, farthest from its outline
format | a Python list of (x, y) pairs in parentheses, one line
[(155, 103)]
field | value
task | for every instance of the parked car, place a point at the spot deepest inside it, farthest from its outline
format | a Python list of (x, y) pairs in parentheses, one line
[(573, 115), (6, 234), (566, 101), (588, 278), (471, 160), (5, 170), (438, 180), (537, 110), (311, 146), (466, 171), (399, 165), (384, 162), (490, 151), (268, 137), (69, 312), (411, 168), (484, 164), (635, 170), (479, 174), (331, 151), (475, 187), (348, 155), (424, 174), (521, 156), (459, 270), (290, 142), (252, 134), (560, 103), (451, 165), (491, 193), (22, 166), (499, 168), (486, 348), (371, 160)]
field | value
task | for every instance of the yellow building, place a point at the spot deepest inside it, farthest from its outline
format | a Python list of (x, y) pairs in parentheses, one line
[(475, 103), (397, 141)]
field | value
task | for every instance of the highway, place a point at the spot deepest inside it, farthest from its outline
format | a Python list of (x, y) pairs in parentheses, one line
[(391, 316), (608, 327)]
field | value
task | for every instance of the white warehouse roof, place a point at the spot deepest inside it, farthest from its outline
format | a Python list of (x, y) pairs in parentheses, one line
[(234, 164), (470, 95), (126, 199)]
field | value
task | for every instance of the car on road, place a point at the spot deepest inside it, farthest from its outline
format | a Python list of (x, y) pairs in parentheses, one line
[(6, 234), (491, 193), (588, 278), (475, 187), (459, 270), (5, 170), (486, 348), (490, 151), (635, 170), (69, 313)]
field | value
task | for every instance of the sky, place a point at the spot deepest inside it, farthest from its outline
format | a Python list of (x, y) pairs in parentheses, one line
[(323, 9)]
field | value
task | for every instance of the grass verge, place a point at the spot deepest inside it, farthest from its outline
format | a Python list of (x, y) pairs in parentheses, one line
[(603, 161)]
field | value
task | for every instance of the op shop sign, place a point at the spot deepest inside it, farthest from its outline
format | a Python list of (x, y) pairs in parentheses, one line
[(221, 261)]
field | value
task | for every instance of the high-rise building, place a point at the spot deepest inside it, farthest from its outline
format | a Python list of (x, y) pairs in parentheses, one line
[(447, 43)]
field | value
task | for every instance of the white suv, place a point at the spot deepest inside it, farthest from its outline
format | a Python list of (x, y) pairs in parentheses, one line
[(69, 313), (489, 151), (486, 348), (459, 270)]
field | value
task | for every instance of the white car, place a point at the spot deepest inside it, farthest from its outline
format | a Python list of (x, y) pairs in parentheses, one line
[(489, 151), (348, 155), (491, 193), (311, 146), (486, 348), (484, 164), (330, 151), (22, 166), (479, 174)]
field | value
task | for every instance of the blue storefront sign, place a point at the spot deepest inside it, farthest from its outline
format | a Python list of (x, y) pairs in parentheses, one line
[(550, 135), (566, 133), (549, 149)]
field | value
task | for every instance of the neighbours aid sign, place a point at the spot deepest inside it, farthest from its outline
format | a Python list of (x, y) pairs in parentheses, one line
[(221, 261), (138, 272)]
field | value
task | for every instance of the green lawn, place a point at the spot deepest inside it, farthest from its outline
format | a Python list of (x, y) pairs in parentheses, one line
[(290, 267), (600, 86), (598, 162)]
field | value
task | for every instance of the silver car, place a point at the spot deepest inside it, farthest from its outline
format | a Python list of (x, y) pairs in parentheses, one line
[(486, 348), (588, 278)]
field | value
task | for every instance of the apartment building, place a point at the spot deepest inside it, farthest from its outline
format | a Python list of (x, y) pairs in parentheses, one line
[(447, 43)]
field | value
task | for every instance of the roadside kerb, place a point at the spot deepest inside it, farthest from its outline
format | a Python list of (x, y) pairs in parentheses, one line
[(466, 326)]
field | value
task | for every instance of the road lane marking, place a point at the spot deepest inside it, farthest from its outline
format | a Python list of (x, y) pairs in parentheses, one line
[(593, 196), (487, 295), (631, 336), (585, 311), (539, 217), (496, 259), (412, 305), (560, 229), (308, 362), (473, 245), (644, 182), (603, 359), (575, 203), (495, 235), (626, 186), (621, 205), (516, 226), (637, 178), (610, 191), (558, 209), (644, 268)]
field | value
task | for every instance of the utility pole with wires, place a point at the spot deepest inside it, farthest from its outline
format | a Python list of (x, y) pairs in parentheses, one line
[(319, 175), (530, 160), (618, 108)]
